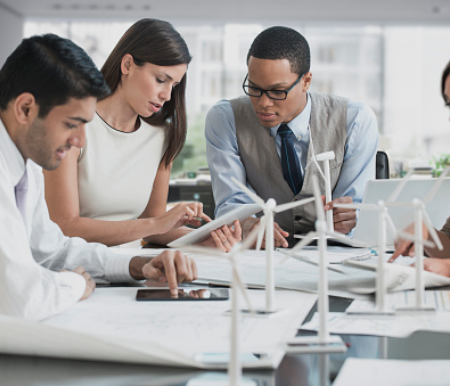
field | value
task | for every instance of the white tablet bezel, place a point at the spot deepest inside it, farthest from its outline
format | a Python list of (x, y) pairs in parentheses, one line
[(240, 213)]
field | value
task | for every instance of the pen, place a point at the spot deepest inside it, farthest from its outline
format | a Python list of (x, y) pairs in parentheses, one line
[(224, 285)]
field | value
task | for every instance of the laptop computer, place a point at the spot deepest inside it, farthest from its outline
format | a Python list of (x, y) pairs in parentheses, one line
[(438, 208)]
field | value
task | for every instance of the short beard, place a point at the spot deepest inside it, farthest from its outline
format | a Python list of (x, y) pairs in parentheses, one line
[(38, 147)]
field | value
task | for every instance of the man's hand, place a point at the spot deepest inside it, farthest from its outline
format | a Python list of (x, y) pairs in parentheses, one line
[(406, 247), (279, 235), (170, 266), (344, 219), (439, 266), (90, 284), (225, 237)]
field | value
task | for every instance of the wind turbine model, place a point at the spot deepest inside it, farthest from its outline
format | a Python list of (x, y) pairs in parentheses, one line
[(237, 285), (420, 218), (323, 342), (269, 208), (384, 221), (325, 158)]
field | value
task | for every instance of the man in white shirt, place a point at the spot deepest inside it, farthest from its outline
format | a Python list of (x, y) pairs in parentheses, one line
[(48, 92)]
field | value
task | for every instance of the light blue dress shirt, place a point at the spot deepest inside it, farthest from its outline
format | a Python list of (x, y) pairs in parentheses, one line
[(224, 160)]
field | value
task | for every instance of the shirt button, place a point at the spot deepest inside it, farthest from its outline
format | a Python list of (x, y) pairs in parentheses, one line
[(297, 218)]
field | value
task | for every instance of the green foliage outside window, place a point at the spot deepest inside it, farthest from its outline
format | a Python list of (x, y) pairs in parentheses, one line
[(439, 163), (193, 155)]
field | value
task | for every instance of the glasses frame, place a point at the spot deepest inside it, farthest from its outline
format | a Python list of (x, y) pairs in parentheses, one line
[(261, 91)]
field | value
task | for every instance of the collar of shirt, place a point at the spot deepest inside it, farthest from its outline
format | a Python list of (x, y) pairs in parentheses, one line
[(15, 162), (299, 125)]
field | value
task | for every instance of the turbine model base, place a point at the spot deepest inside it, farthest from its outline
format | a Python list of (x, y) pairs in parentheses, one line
[(371, 312), (312, 344), (415, 309), (220, 379)]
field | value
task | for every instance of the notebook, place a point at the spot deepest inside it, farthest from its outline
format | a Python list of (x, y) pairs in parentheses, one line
[(438, 208)]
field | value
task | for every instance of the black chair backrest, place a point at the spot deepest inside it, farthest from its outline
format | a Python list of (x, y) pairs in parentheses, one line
[(382, 166)]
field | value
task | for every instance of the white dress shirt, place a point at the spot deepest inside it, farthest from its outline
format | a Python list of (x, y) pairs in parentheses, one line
[(224, 159), (34, 250)]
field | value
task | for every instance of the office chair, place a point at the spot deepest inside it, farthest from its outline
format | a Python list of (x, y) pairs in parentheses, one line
[(382, 166)]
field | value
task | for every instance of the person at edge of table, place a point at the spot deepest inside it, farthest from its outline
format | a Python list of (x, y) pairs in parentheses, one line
[(439, 261), (267, 138), (114, 190), (48, 91)]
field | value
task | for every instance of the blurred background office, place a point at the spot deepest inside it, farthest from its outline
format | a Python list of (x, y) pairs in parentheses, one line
[(388, 54)]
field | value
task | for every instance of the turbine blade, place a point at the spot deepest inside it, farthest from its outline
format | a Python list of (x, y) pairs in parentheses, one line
[(319, 206), (398, 204), (405, 236), (241, 286), (249, 193), (400, 186), (432, 231), (250, 239), (437, 185), (445, 172), (391, 225), (410, 237), (262, 229), (290, 205), (306, 240), (357, 206)]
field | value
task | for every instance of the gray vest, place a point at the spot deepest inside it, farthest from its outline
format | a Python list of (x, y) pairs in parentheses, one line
[(262, 164)]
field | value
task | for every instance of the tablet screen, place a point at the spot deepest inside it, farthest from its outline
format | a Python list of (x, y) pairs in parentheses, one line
[(184, 294)]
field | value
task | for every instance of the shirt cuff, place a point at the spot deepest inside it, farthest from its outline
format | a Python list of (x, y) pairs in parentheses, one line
[(72, 284), (117, 268)]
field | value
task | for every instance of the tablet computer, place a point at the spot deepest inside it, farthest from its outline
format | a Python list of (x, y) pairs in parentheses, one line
[(202, 233), (184, 294)]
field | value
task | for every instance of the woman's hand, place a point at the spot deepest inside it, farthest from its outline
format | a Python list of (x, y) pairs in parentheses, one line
[(406, 247), (184, 213), (439, 266)]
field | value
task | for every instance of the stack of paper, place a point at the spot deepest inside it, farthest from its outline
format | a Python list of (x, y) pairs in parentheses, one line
[(375, 372), (112, 326)]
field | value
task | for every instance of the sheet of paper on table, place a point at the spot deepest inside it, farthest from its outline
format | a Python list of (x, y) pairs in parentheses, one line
[(112, 326), (337, 255), (389, 372), (437, 299), (398, 326), (296, 275)]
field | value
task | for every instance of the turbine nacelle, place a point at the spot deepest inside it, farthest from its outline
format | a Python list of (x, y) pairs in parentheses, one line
[(329, 155)]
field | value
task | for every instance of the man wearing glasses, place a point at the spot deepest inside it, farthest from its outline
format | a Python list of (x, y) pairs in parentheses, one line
[(267, 138)]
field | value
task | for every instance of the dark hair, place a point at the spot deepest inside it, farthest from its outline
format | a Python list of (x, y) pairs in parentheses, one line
[(445, 75), (157, 42), (282, 43), (51, 68)]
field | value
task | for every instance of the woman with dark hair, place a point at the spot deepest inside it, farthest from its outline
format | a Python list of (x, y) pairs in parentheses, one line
[(439, 262), (115, 189)]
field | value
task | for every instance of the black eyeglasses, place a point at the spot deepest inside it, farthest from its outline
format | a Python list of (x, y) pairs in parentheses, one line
[(278, 95)]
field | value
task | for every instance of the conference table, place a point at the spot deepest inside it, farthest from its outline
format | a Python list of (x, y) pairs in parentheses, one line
[(294, 370)]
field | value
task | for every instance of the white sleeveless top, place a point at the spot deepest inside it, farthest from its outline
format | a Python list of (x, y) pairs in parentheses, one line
[(116, 170)]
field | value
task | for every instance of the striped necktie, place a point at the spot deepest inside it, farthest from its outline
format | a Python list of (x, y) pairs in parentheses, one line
[(289, 161)]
